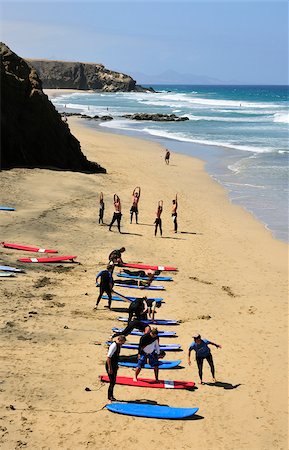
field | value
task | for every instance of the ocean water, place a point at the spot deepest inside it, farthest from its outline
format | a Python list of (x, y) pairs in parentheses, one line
[(241, 132)]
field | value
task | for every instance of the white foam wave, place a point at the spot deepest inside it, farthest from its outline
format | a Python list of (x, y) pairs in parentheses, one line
[(281, 117), (226, 119), (183, 138)]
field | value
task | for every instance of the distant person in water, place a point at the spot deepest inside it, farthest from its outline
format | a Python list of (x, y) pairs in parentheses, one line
[(167, 157), (201, 347), (158, 221), (134, 207), (115, 257), (101, 209), (175, 214), (117, 212), (105, 285)]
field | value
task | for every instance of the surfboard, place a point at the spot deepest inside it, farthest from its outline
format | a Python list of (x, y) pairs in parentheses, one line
[(146, 266), (135, 277), (132, 299), (149, 383), (10, 269), (151, 411), (6, 208), (155, 322), (27, 248), (163, 364), (48, 260), (140, 333), (131, 286), (5, 274), (164, 347)]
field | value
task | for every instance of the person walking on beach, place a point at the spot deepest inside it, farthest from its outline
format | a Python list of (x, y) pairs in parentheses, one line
[(149, 349), (111, 364), (117, 212), (201, 347), (167, 156), (105, 285), (134, 207), (101, 209), (158, 221), (175, 214)]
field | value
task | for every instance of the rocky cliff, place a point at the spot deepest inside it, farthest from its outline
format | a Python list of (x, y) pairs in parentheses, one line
[(32, 132), (77, 75)]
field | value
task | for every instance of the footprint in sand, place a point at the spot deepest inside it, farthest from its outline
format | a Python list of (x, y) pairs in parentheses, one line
[(200, 281), (229, 291)]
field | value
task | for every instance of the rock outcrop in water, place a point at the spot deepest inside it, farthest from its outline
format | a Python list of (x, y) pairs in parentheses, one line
[(78, 75), (33, 133), (156, 117)]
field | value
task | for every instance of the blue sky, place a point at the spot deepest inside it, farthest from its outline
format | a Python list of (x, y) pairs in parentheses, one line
[(239, 41)]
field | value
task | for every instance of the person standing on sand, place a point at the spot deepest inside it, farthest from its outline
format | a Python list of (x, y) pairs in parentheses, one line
[(105, 285), (158, 221), (149, 348), (202, 352), (167, 156), (175, 214), (117, 212), (111, 364), (135, 200), (101, 209)]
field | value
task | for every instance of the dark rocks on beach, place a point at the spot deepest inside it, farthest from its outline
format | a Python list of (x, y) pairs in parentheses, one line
[(156, 117), (33, 133), (85, 76)]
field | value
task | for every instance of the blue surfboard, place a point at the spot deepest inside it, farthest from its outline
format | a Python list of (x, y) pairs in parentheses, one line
[(135, 277), (131, 286), (6, 208), (154, 322), (140, 333), (132, 299), (151, 411), (10, 269), (163, 364), (164, 347)]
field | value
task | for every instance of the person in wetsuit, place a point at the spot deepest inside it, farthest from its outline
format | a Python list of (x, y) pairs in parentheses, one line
[(101, 209), (134, 324), (115, 257), (111, 364), (105, 285), (201, 347), (148, 349)]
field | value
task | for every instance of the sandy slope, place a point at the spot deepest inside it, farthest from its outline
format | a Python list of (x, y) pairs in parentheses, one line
[(231, 286)]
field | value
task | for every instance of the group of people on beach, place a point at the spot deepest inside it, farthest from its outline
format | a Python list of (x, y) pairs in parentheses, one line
[(117, 215), (139, 311)]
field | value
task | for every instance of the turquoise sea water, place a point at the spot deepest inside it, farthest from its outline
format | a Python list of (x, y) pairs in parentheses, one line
[(240, 131)]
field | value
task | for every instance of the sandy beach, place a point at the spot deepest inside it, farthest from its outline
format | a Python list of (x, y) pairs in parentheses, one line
[(231, 287)]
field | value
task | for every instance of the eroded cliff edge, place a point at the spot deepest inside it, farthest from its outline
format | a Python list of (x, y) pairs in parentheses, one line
[(32, 131)]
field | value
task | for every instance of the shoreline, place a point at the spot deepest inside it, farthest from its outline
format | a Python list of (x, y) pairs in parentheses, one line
[(231, 287)]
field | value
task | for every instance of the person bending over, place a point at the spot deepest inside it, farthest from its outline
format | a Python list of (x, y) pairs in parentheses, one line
[(115, 257), (137, 309), (117, 212), (111, 364), (134, 324), (105, 285), (134, 207), (149, 349), (201, 347)]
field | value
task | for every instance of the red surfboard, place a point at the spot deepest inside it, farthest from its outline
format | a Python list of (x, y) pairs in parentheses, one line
[(48, 260), (146, 382), (145, 266), (27, 249)]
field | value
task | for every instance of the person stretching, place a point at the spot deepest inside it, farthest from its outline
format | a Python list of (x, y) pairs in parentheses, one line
[(111, 364), (202, 352), (101, 209), (148, 349), (135, 200), (105, 285), (175, 214), (117, 212), (134, 324), (158, 221)]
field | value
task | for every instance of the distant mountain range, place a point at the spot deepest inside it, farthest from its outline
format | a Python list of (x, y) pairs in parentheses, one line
[(173, 77)]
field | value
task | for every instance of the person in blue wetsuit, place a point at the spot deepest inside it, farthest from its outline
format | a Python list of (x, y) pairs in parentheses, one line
[(201, 347), (105, 285)]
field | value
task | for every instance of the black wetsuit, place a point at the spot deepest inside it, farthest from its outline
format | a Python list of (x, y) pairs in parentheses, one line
[(136, 309), (116, 217), (128, 329), (114, 365), (105, 285)]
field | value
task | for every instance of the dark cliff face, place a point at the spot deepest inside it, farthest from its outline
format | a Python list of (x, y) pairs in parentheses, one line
[(77, 75), (32, 132)]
